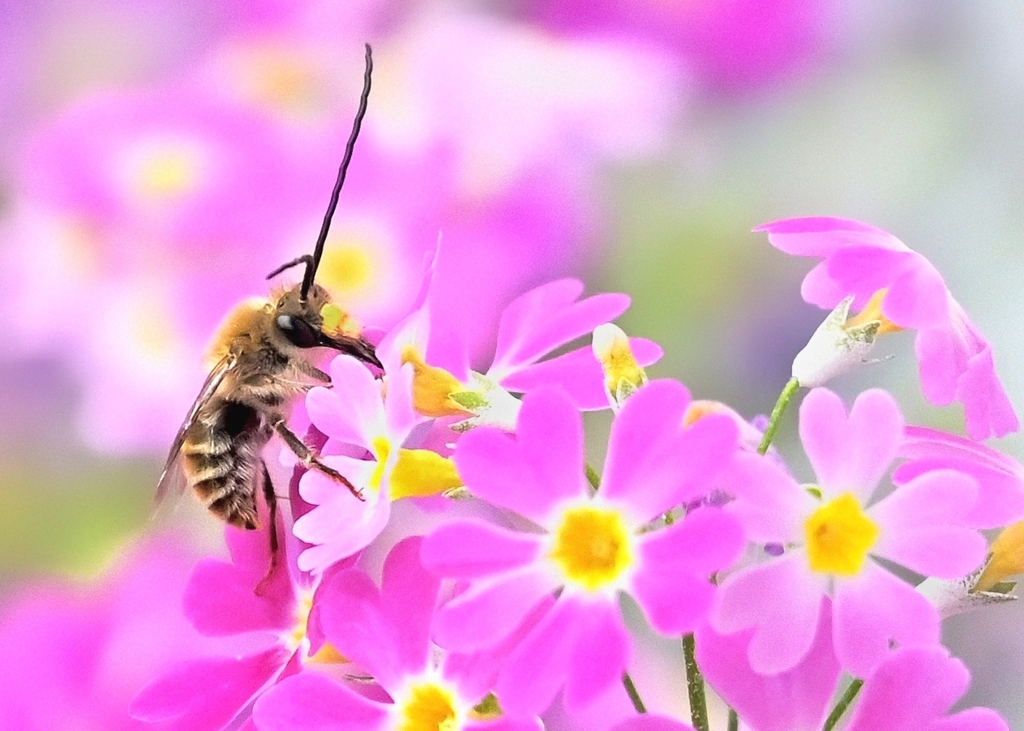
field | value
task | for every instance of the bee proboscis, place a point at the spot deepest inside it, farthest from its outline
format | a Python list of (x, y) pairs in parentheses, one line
[(263, 355)]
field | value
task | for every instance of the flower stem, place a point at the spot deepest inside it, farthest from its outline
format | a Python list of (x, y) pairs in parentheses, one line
[(780, 407), (695, 686), (633, 695), (734, 720), (842, 705)]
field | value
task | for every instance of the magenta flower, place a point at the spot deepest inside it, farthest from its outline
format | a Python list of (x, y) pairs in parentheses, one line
[(831, 529), (74, 656), (386, 632), (1000, 478), (794, 700), (901, 289), (592, 547), (733, 45), (913, 690), (240, 600)]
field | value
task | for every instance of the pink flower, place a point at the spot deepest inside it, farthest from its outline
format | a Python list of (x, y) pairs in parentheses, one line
[(592, 547), (733, 45), (1000, 478), (831, 529), (794, 700), (75, 656), (386, 632), (901, 289), (913, 690), (355, 413), (266, 614)]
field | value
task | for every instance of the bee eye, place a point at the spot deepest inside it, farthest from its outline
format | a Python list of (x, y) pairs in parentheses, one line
[(299, 332)]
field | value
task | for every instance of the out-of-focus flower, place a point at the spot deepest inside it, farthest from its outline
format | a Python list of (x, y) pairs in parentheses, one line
[(75, 656), (913, 689), (513, 101), (899, 288), (592, 546), (267, 613), (733, 45), (386, 632), (794, 700), (831, 531)]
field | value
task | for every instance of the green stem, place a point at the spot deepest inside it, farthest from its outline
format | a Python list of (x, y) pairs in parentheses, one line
[(734, 720), (842, 705), (780, 407), (633, 695), (695, 686)]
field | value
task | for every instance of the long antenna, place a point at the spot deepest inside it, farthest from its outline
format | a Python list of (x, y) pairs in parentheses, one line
[(314, 261)]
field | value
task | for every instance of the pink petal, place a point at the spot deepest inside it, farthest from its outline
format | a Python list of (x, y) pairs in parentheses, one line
[(340, 524), (352, 408), (672, 585), (781, 600), (850, 454), (653, 464), (795, 699), (208, 692), (221, 600), (350, 613), (311, 700), (546, 318), (917, 296), (1000, 479), (506, 724), (602, 653), (527, 686), (529, 475), (913, 689), (820, 236), (578, 373), (769, 503), (399, 415), (872, 611), (922, 526), (472, 549), (409, 594), (488, 611)]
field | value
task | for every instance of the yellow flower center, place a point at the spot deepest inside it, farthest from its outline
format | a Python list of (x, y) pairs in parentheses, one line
[(381, 450), (592, 547), (839, 536), (872, 312), (429, 707), (421, 472), (168, 170), (347, 267)]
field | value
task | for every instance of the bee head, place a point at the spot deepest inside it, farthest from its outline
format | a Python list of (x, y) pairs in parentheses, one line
[(314, 321)]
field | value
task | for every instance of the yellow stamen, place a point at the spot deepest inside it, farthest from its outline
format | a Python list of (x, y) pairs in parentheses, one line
[(420, 472), (839, 536), (428, 708), (592, 547), (1007, 557), (381, 450), (872, 312), (432, 387)]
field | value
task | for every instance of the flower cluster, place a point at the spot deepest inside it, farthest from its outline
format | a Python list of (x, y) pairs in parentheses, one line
[(494, 578)]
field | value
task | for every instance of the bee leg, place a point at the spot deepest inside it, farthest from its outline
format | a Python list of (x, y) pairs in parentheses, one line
[(312, 371), (309, 458), (271, 497)]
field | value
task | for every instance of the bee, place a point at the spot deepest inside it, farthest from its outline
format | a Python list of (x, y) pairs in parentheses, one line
[(265, 354)]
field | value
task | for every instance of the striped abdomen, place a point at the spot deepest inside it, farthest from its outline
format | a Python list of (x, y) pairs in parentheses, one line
[(222, 461)]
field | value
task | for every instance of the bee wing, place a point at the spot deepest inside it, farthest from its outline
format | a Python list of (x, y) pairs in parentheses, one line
[(213, 381)]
